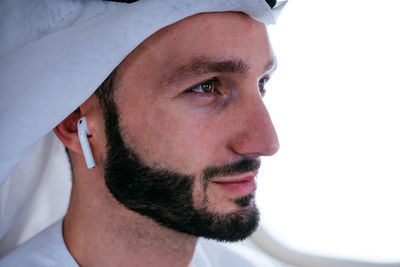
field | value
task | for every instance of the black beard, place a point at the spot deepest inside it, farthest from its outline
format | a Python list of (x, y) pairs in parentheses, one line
[(166, 196)]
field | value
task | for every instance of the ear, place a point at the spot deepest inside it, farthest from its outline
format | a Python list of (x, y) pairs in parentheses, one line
[(67, 131)]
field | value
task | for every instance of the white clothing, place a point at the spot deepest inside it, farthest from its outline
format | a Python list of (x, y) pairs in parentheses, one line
[(47, 249)]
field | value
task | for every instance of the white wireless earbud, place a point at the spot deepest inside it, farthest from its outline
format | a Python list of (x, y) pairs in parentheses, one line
[(83, 133)]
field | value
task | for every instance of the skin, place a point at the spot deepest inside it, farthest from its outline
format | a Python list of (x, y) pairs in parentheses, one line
[(170, 127)]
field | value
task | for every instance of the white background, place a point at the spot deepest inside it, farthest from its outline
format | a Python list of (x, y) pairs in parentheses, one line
[(334, 187)]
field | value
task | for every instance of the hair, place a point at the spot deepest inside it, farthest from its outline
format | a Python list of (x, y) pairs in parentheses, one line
[(105, 91), (271, 3), (105, 94)]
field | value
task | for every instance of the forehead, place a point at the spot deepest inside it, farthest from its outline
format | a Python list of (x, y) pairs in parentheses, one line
[(221, 35)]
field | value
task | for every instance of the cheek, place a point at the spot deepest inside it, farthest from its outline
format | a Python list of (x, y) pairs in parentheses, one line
[(173, 138)]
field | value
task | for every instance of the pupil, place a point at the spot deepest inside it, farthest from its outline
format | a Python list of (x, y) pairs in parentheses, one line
[(207, 87)]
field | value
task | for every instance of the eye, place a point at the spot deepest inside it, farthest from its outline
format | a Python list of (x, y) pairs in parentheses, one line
[(207, 87), (262, 85)]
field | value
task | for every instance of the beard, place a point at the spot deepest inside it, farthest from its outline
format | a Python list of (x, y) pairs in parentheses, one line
[(166, 196)]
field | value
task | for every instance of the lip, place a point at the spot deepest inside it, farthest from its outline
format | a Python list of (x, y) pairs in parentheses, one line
[(242, 185)]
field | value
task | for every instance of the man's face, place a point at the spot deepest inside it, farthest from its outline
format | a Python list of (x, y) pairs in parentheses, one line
[(192, 125)]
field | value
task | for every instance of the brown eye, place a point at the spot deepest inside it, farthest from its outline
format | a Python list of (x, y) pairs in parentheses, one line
[(207, 87), (262, 85)]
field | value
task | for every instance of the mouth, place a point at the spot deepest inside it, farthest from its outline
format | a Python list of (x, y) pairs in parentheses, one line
[(242, 185)]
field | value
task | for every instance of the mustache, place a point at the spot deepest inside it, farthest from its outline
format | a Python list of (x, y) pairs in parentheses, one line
[(242, 166)]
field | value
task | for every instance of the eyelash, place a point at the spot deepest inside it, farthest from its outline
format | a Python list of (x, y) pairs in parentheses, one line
[(261, 85), (214, 82)]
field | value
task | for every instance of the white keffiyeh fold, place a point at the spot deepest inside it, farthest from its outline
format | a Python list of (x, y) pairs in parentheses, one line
[(53, 56)]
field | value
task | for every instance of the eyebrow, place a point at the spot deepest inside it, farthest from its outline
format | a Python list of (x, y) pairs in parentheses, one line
[(201, 66)]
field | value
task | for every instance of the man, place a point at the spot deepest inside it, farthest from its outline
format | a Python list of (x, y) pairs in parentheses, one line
[(176, 132)]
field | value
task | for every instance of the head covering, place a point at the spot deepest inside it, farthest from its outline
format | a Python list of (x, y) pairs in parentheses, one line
[(53, 56)]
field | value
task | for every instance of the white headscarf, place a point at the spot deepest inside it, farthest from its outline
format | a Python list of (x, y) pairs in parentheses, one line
[(53, 56)]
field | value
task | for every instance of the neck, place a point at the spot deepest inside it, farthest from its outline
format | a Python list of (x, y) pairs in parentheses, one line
[(98, 231)]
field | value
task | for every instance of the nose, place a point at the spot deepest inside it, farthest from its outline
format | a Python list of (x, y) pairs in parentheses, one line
[(255, 135)]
